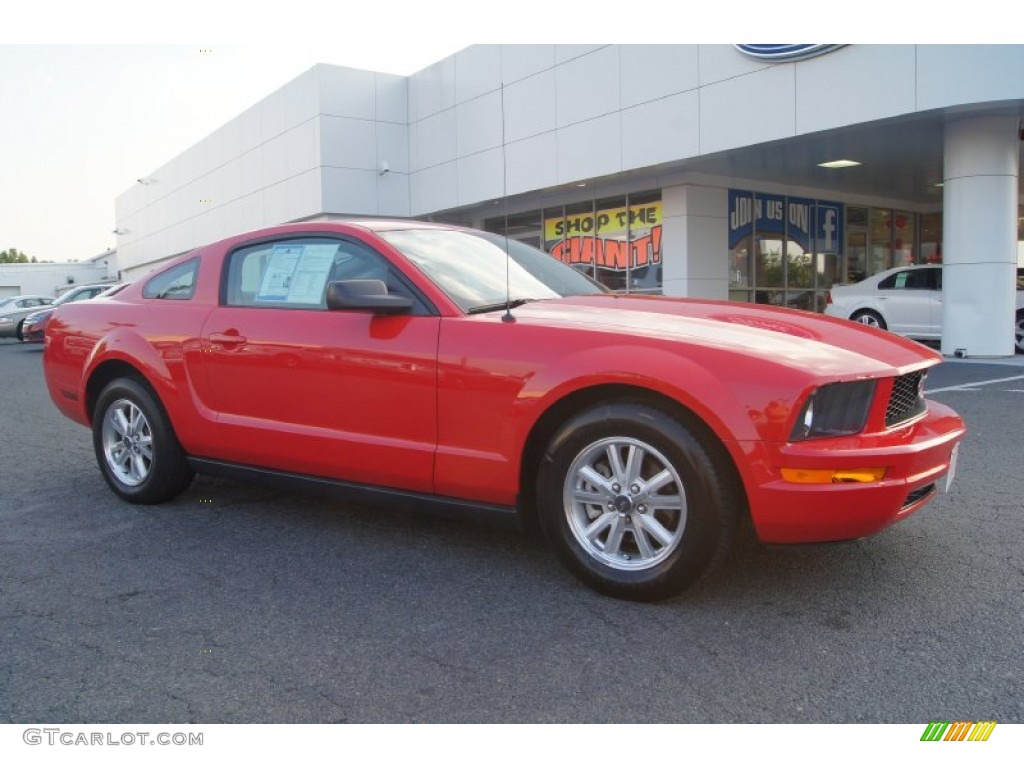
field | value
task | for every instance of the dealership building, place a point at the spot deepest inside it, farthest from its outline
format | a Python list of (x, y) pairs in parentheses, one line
[(745, 173)]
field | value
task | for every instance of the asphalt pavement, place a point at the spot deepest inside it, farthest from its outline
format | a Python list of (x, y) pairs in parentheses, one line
[(239, 604)]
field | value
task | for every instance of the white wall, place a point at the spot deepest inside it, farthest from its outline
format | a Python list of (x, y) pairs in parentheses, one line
[(48, 279), (574, 113), (315, 145), (492, 121)]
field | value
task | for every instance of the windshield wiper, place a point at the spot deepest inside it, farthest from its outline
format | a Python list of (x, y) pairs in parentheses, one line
[(494, 307)]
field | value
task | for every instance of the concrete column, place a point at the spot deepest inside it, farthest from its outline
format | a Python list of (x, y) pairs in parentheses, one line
[(695, 241), (979, 236)]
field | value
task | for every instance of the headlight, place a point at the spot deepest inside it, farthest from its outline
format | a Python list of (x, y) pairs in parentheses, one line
[(835, 410)]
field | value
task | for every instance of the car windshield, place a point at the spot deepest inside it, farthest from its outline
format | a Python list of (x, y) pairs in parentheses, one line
[(69, 296), (117, 288), (472, 268)]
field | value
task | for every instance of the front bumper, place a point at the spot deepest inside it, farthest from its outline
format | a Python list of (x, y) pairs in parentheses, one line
[(33, 333), (915, 457)]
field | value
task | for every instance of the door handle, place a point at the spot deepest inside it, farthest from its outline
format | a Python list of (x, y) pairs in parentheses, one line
[(227, 339)]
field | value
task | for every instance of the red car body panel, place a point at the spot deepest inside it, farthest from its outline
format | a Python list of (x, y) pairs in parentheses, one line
[(445, 404)]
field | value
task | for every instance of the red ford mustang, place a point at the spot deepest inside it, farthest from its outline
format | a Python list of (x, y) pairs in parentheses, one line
[(444, 368)]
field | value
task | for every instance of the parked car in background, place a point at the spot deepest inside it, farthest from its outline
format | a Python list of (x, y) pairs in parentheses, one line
[(437, 367), (905, 300), (15, 309), (34, 325)]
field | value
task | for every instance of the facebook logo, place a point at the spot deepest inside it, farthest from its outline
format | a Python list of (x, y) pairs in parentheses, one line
[(829, 233)]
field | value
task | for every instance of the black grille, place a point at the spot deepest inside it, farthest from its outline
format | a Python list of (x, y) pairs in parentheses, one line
[(905, 402), (917, 495)]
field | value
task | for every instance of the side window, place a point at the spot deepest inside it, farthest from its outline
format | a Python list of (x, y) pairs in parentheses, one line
[(890, 282), (909, 279), (293, 274), (918, 279), (176, 283)]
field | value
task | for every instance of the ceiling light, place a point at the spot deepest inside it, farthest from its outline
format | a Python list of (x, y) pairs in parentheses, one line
[(940, 183), (839, 164)]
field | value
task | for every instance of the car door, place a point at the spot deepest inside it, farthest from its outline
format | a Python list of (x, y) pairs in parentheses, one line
[(348, 395), (908, 301)]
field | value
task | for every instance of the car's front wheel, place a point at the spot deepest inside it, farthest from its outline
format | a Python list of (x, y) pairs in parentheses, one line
[(870, 318), (136, 448), (636, 503), (1019, 332)]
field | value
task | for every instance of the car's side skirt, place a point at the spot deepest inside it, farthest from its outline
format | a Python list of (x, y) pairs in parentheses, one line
[(356, 493)]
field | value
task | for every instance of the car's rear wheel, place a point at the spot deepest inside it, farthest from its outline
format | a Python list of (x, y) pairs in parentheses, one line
[(20, 331), (136, 448), (1019, 332), (635, 502), (869, 317)]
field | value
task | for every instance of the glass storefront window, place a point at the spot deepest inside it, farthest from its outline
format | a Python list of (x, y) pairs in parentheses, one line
[(554, 222), (880, 249), (931, 238), (741, 244), (856, 216), (611, 243), (785, 251), (526, 228), (827, 274), (645, 271), (799, 254), (770, 237), (904, 251), (615, 240)]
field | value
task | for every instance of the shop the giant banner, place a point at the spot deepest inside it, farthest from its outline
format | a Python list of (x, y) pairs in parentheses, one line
[(612, 238)]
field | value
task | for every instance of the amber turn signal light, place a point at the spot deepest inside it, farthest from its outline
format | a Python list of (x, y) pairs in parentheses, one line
[(828, 476)]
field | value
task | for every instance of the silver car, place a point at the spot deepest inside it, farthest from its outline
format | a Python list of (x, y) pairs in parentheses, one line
[(15, 309), (33, 325)]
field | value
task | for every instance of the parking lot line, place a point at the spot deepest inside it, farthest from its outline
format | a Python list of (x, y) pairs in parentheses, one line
[(972, 384)]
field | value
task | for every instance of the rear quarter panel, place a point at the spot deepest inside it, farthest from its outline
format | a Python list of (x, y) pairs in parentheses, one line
[(158, 338)]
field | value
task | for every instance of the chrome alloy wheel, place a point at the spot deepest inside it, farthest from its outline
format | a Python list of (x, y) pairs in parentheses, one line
[(868, 319), (127, 442), (625, 503)]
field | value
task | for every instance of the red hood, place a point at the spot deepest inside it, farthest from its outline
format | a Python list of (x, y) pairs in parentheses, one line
[(802, 340)]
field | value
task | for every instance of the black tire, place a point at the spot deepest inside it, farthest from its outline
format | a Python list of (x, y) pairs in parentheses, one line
[(618, 531), (136, 448), (21, 336), (869, 318), (1018, 332)]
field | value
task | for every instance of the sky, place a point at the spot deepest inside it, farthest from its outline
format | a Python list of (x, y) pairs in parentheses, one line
[(95, 95), (80, 123)]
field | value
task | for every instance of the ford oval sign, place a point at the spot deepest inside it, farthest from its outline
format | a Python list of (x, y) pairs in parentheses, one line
[(785, 51)]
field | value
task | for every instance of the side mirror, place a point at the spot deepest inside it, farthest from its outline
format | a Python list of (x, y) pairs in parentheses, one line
[(369, 295)]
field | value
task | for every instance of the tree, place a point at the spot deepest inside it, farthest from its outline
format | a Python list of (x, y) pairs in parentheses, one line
[(14, 256)]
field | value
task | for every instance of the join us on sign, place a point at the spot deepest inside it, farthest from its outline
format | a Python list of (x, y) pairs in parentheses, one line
[(747, 209), (798, 217)]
